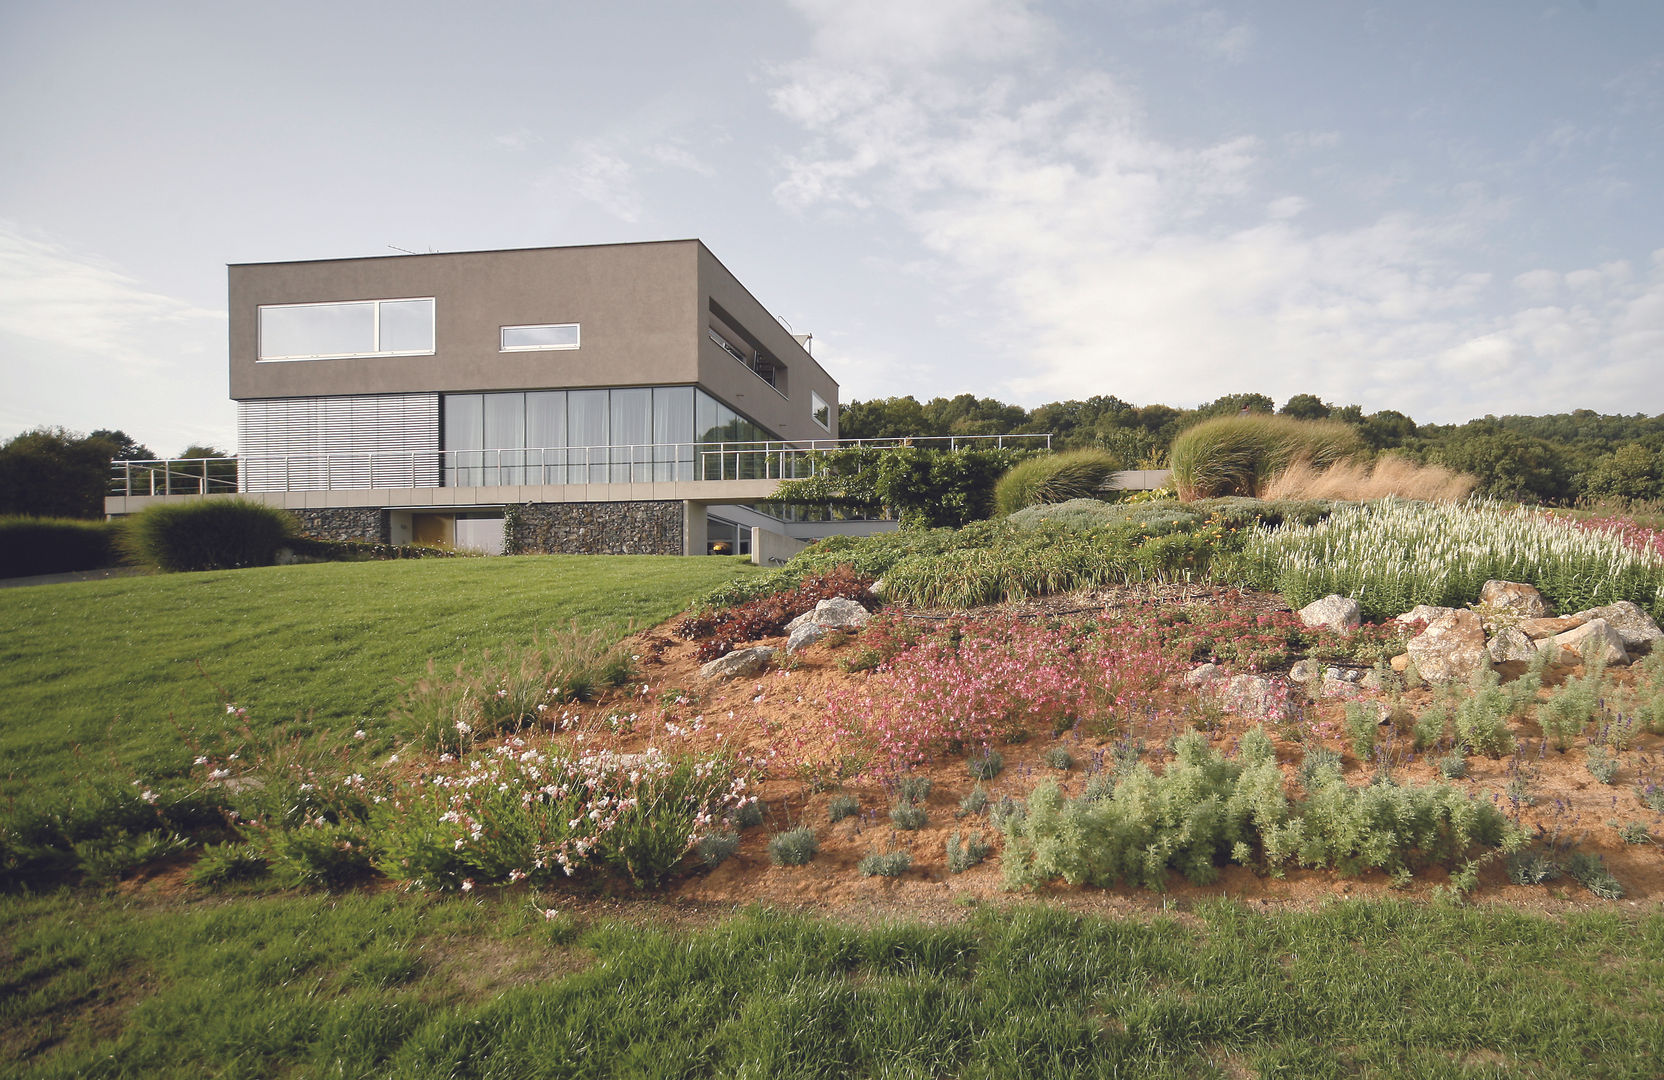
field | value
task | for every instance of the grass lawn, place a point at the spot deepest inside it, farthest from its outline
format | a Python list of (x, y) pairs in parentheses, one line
[(94, 676), (422, 986)]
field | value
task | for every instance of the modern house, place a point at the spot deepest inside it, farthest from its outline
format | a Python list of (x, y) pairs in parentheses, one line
[(602, 399)]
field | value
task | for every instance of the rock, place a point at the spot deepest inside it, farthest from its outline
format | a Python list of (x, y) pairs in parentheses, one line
[(805, 636), (1371, 680), (802, 620), (1633, 625), (1339, 613), (1596, 634), (1536, 629), (1452, 647), (1343, 674), (1424, 613), (1511, 643), (1400, 663), (836, 613), (1514, 597), (1304, 671), (1254, 696), (739, 664), (1333, 687), (1199, 677)]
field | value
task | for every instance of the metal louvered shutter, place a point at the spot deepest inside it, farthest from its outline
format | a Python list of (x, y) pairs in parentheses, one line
[(324, 443)]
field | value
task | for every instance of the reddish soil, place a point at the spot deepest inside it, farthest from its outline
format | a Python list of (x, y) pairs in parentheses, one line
[(764, 717)]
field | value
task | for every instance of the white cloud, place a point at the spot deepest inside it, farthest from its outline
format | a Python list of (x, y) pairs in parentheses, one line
[(1110, 260), (602, 177)]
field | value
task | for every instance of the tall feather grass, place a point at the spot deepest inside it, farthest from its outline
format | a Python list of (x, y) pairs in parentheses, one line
[(1053, 478), (1393, 554), (1238, 455), (1359, 481)]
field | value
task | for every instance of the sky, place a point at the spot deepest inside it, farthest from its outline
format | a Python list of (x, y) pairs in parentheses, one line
[(1450, 208)]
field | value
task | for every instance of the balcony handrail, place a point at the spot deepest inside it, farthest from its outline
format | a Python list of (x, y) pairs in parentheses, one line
[(765, 459)]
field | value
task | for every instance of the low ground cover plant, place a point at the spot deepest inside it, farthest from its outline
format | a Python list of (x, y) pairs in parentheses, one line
[(1393, 555), (1206, 810)]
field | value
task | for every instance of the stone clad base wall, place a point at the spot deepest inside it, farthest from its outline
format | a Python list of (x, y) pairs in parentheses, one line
[(595, 528), (366, 524)]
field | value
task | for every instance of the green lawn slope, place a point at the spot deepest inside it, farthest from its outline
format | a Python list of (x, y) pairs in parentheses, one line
[(103, 677)]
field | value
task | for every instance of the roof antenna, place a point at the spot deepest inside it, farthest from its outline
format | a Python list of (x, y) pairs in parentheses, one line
[(396, 247)]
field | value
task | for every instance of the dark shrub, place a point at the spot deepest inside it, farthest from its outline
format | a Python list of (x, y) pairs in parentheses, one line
[(215, 534), (1054, 478), (55, 545)]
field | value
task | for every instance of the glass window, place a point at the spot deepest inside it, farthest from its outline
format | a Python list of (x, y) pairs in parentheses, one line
[(632, 435), (546, 436), (586, 426), (530, 338), (464, 436), (672, 433), (505, 438), (821, 411), (359, 328)]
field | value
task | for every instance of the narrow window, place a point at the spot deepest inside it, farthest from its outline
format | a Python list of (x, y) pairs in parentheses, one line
[(539, 338), (821, 411)]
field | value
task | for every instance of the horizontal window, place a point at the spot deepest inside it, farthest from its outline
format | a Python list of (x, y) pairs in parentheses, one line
[(533, 338), (820, 410), (357, 328)]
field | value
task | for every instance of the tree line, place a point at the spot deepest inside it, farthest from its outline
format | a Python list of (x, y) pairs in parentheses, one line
[(1559, 459), (51, 472)]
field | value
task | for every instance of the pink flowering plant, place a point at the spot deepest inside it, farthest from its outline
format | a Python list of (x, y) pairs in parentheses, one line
[(534, 813), (982, 682), (1635, 536)]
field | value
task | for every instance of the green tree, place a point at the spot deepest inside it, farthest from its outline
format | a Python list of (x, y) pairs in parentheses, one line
[(50, 472), (1306, 407), (1509, 466), (1630, 472), (123, 446)]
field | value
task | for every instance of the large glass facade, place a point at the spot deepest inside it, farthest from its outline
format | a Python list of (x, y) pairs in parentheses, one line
[(619, 435)]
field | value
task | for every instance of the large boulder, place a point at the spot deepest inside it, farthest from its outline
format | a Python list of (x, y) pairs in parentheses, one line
[(1634, 626), (1304, 671), (739, 664), (1205, 675), (1596, 636), (1340, 613), (1511, 643), (1255, 696), (1537, 629), (1451, 649), (1425, 613), (1514, 597), (836, 613), (805, 636)]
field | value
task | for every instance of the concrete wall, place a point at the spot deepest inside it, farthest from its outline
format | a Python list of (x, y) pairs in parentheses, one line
[(617, 528), (636, 305)]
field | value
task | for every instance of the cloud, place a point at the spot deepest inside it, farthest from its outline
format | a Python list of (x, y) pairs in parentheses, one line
[(55, 297), (601, 176), (1098, 257)]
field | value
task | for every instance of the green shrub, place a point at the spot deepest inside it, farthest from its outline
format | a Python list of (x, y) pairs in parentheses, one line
[(750, 814), (794, 847), (214, 534), (1237, 455), (30, 546), (909, 815), (109, 858), (328, 856), (1058, 757), (986, 765), (1053, 478), (1590, 872), (1601, 765), (1454, 765), (974, 803), (914, 789), (1430, 725), (890, 864), (1482, 716), (227, 864), (1363, 725), (964, 854), (842, 806), (715, 848)]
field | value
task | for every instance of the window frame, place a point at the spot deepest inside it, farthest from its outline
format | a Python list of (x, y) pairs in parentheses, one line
[(577, 334), (375, 335), (818, 405)]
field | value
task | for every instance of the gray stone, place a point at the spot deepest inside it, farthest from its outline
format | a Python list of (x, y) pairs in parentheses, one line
[(1371, 680), (1343, 674), (1514, 597), (805, 619), (1633, 625), (1333, 687), (1596, 635), (595, 528), (364, 524), (1511, 643), (1424, 613), (1451, 649), (1198, 677), (739, 664), (805, 636), (1335, 612), (1256, 696), (1304, 671), (837, 613)]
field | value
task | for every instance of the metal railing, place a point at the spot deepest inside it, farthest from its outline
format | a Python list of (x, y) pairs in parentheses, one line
[(629, 464)]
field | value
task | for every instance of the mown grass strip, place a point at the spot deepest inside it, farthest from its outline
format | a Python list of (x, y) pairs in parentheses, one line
[(94, 676), (361, 985)]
